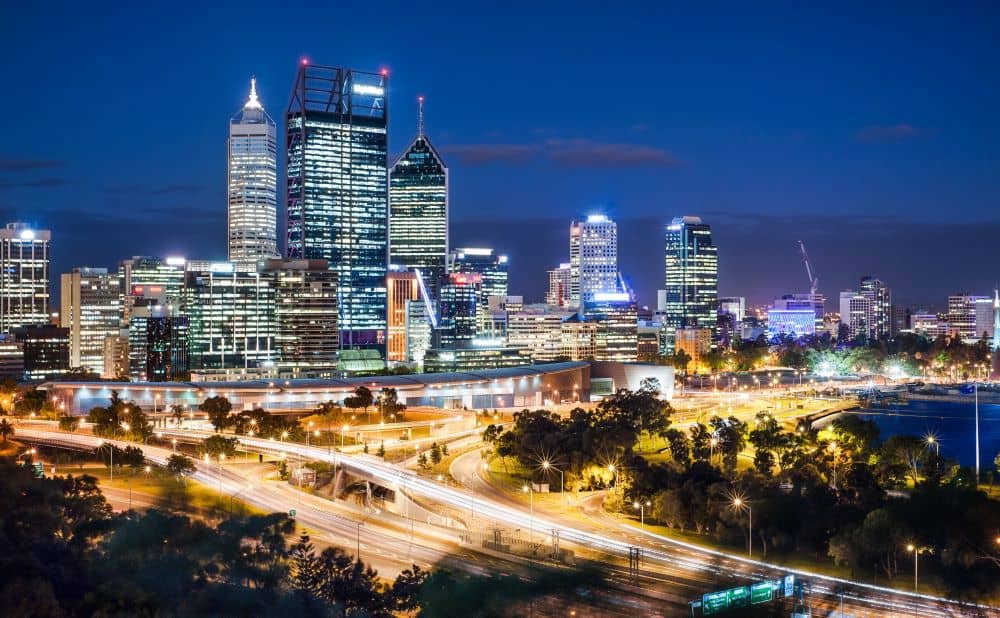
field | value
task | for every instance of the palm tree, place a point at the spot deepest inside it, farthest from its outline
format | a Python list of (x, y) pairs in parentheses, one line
[(177, 413), (6, 430)]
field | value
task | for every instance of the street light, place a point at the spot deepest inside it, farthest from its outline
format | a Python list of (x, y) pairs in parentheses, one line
[(739, 504), (916, 553), (932, 441), (343, 430), (531, 510), (642, 511), (546, 465)]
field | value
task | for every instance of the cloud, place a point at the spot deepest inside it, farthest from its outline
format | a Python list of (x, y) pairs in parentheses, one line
[(171, 189), (586, 153), (578, 153), (35, 183), (11, 164), (486, 154), (888, 133)]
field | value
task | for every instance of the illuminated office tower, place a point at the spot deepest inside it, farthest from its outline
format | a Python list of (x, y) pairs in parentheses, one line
[(337, 190), (152, 279), (593, 258), (691, 276), (24, 276), (305, 313), (402, 287), (558, 294), (962, 312), (91, 309), (253, 183), (231, 318), (492, 270), (617, 325), (418, 209), (157, 344), (459, 303), (880, 303)]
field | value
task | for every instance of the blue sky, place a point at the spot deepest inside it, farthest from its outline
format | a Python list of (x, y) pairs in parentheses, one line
[(868, 130)]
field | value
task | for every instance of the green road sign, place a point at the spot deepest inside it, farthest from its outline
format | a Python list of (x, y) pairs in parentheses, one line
[(761, 592), (739, 597), (714, 602), (38, 469), (291, 513)]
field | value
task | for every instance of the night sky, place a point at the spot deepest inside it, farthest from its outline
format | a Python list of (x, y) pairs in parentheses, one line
[(869, 132)]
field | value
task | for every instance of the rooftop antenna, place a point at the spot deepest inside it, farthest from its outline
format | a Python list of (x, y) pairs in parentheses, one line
[(420, 115)]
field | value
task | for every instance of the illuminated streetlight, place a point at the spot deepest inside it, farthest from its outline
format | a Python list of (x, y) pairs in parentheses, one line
[(546, 465), (739, 504), (642, 511)]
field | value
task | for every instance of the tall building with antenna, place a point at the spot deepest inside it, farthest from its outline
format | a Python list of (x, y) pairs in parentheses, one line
[(253, 183), (418, 209), (337, 198)]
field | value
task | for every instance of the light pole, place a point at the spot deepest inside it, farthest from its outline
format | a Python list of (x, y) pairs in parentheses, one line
[(531, 511), (833, 448), (916, 553), (343, 430), (546, 465), (739, 504), (932, 441), (642, 511)]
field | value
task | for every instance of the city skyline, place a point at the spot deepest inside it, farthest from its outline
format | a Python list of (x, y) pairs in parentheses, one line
[(842, 166)]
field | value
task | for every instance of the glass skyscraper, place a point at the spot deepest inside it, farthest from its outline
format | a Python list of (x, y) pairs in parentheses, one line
[(91, 309), (337, 195), (253, 183), (492, 270), (593, 258), (692, 276), (418, 202), (24, 276)]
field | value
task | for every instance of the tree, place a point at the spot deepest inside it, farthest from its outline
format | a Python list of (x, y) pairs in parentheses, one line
[(214, 446), (180, 466), (6, 430), (681, 360), (389, 404), (680, 446), (361, 399), (406, 589), (217, 408), (177, 413), (435, 453), (69, 423), (305, 571), (381, 450)]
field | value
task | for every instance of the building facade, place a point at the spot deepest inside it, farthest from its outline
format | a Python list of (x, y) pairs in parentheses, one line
[(593, 258), (337, 199), (691, 276), (459, 304), (157, 345), (24, 276), (418, 203), (305, 315), (560, 284), (617, 326), (962, 313), (253, 183), (143, 278), (45, 348), (493, 276), (90, 300), (402, 287)]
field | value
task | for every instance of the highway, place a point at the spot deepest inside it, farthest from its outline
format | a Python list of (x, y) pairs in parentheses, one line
[(693, 566)]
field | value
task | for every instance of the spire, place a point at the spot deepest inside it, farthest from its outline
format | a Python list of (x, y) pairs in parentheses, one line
[(253, 102), (420, 116)]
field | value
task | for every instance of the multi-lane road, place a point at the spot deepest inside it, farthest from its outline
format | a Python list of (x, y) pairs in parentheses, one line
[(666, 562)]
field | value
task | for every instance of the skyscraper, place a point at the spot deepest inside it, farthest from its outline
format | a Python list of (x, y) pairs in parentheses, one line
[(962, 313), (150, 278), (337, 196), (691, 276), (492, 270), (559, 286), (460, 292), (253, 183), (91, 310), (305, 310), (418, 202), (593, 258), (402, 287), (24, 276), (881, 307)]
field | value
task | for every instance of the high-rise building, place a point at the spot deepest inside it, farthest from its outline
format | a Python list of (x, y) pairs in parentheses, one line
[(305, 314), (46, 350), (151, 279), (696, 342), (868, 311), (418, 203), (420, 320), (24, 276), (984, 318), (617, 332), (460, 294), (560, 283), (157, 344), (253, 183), (492, 271), (593, 258), (91, 309), (231, 318), (401, 287), (962, 314), (691, 276), (337, 190)]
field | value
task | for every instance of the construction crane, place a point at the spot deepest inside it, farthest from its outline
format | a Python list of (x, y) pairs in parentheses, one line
[(813, 281)]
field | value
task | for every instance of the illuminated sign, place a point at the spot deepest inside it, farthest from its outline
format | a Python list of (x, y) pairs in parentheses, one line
[(365, 89), (474, 251), (27, 235), (612, 296), (597, 219), (220, 267), (175, 261), (466, 278)]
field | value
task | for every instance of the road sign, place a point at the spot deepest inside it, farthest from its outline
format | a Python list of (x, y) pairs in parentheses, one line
[(714, 602), (291, 513), (789, 585), (38, 470), (761, 592)]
